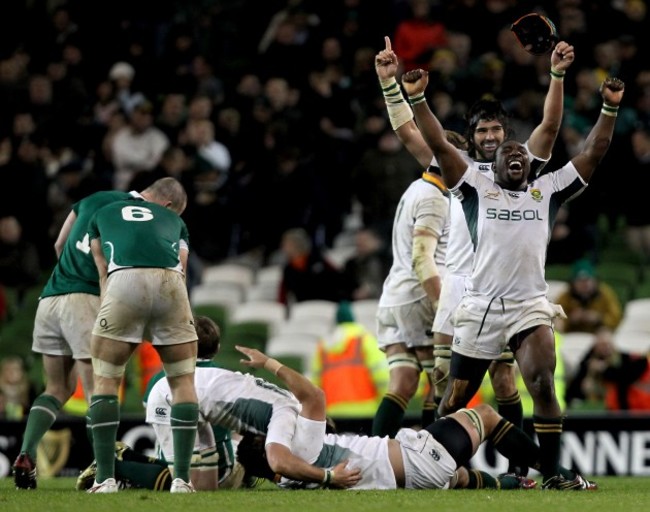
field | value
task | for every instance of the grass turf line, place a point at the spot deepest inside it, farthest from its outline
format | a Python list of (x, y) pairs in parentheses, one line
[(58, 494)]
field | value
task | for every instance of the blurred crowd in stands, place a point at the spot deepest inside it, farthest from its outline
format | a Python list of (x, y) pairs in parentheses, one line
[(270, 114)]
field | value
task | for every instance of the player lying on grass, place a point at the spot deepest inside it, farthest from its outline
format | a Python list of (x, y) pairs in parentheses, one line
[(231, 400), (310, 434), (432, 458)]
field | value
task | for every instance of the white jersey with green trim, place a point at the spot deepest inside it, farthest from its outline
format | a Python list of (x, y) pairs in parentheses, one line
[(424, 204), (510, 230), (368, 453), (460, 252), (240, 402)]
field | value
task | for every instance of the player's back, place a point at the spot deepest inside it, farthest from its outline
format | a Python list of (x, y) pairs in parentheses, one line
[(424, 199), (75, 272), (234, 400), (137, 233)]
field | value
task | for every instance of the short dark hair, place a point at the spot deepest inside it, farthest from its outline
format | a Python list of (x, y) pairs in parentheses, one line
[(209, 336)]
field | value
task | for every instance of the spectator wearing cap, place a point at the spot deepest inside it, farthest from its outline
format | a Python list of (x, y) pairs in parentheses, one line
[(589, 304), (136, 147), (122, 75)]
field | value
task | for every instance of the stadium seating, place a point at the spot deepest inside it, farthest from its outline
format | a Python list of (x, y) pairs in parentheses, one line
[(365, 313), (232, 274), (266, 286), (315, 309), (223, 294), (247, 333), (574, 348), (556, 288), (298, 345), (270, 312), (633, 333), (310, 326), (217, 312)]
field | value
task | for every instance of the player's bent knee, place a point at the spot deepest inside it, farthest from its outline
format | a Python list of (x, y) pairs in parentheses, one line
[(476, 419), (179, 368), (108, 370)]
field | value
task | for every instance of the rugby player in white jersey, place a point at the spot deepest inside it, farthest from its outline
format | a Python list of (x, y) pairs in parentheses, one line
[(435, 457), (487, 128), (409, 297), (247, 404), (505, 302)]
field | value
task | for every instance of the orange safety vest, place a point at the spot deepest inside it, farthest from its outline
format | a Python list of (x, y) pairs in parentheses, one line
[(345, 377), (638, 394), (149, 363)]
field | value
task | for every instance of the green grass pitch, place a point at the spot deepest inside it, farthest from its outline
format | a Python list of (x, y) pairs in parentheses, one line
[(58, 494)]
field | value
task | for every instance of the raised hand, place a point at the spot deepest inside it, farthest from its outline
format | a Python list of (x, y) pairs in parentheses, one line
[(256, 359), (562, 56), (415, 81), (612, 91), (386, 61)]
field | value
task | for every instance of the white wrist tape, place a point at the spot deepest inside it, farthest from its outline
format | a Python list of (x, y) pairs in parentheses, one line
[(273, 366), (399, 111), (423, 263)]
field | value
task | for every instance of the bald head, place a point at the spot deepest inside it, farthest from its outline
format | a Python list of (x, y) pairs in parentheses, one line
[(167, 192)]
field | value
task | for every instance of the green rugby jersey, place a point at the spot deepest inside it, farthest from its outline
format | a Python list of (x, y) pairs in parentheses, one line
[(140, 234), (75, 272)]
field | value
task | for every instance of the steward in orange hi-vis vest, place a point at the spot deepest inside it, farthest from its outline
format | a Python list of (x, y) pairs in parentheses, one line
[(351, 370)]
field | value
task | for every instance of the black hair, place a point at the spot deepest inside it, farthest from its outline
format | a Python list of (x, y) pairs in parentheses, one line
[(251, 453), (485, 109)]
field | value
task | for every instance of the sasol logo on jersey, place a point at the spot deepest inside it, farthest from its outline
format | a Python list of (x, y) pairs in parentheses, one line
[(514, 215)]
